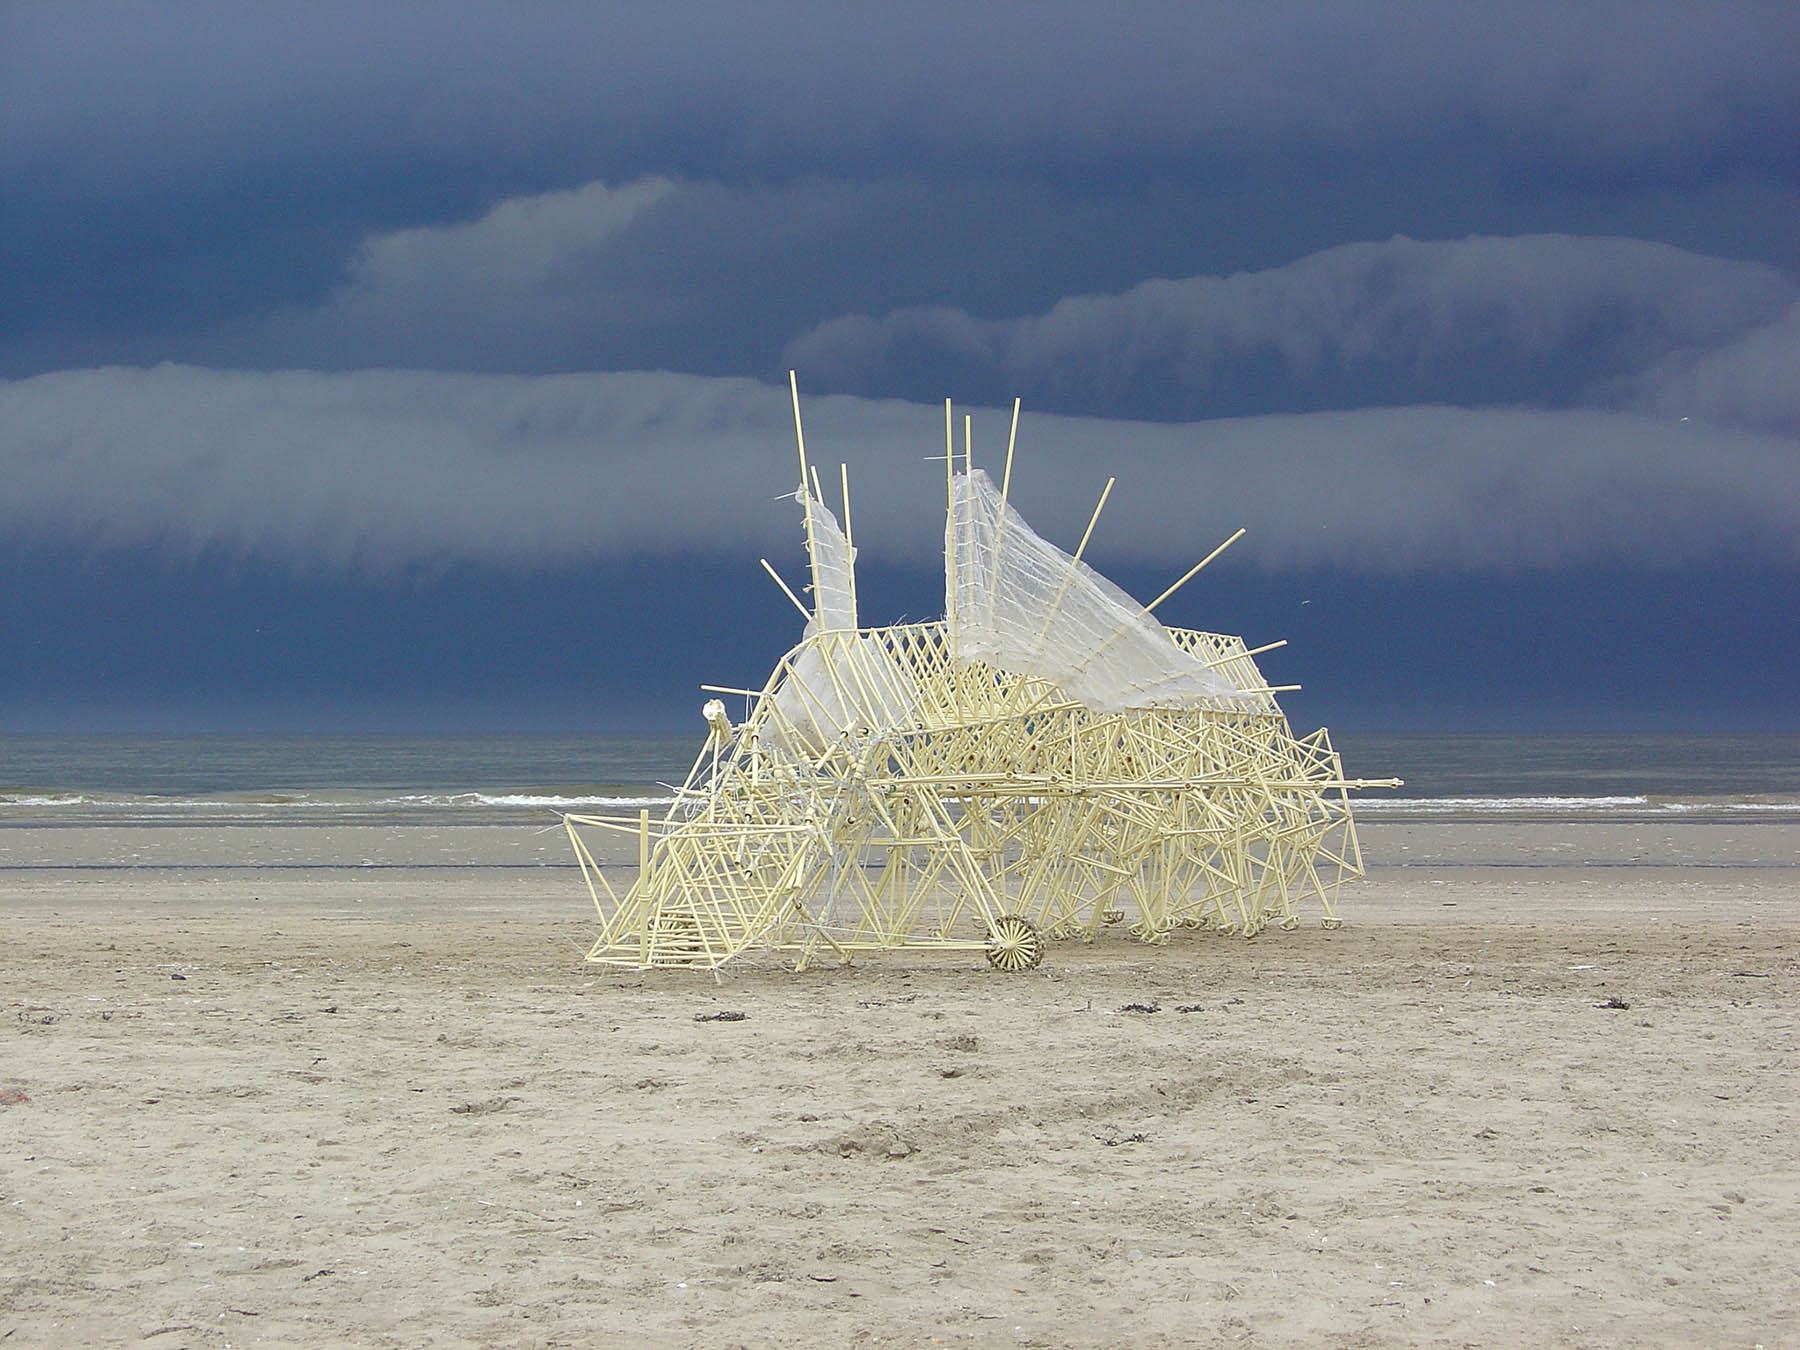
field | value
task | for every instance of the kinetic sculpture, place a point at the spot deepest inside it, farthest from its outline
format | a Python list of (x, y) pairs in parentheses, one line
[(1046, 759)]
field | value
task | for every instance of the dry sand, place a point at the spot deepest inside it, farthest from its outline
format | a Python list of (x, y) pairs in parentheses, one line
[(391, 1105)]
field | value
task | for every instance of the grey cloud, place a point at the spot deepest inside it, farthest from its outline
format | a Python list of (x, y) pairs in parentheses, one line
[(696, 276), (378, 469), (1753, 382), (531, 276), (1536, 319)]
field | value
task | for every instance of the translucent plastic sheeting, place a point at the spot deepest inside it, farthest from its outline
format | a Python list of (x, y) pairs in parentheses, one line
[(840, 686), (1019, 603), (834, 575)]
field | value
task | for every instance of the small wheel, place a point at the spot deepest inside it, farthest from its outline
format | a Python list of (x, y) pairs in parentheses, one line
[(1014, 944), (1112, 916)]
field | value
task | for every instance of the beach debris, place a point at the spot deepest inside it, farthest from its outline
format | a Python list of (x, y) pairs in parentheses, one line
[(482, 1108), (726, 1016), (1190, 1007), (1614, 1002), (1113, 1138), (1046, 760), (13, 1097), (1140, 1008), (317, 1274), (875, 1138)]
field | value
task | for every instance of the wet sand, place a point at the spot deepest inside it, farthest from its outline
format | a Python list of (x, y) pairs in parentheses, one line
[(373, 1096)]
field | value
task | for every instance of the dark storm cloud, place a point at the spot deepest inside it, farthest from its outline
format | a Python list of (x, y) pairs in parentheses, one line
[(381, 468), (105, 95), (658, 273), (171, 174)]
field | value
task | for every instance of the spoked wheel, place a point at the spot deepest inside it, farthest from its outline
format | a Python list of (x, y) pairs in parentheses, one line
[(1014, 944)]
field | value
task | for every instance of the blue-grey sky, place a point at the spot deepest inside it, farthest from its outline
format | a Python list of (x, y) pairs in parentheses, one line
[(422, 366)]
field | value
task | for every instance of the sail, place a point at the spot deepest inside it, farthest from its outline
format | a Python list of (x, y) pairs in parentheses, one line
[(834, 573), (841, 686), (1021, 604)]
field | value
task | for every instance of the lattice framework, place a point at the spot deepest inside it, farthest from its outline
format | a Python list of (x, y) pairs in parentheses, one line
[(889, 790)]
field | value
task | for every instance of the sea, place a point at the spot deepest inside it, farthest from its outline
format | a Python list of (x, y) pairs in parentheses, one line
[(495, 778)]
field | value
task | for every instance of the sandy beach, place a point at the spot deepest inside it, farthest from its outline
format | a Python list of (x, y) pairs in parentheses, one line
[(353, 1084)]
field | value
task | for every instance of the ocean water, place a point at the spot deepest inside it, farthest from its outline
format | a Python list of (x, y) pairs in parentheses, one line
[(121, 778)]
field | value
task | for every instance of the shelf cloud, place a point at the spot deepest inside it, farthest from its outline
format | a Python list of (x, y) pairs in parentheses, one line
[(1539, 319), (373, 470)]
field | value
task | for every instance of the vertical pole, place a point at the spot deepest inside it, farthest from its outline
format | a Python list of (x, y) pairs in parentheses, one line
[(849, 541), (643, 845), (812, 561), (950, 524), (1012, 439)]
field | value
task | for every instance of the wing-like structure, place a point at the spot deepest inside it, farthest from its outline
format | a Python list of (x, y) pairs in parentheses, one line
[(1022, 605)]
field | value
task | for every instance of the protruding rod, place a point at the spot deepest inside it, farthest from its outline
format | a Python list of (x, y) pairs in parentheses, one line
[(968, 443), (849, 540), (1094, 519), (805, 613), (1012, 439), (1125, 628), (1194, 571), (1075, 562), (1229, 657), (812, 561), (733, 689)]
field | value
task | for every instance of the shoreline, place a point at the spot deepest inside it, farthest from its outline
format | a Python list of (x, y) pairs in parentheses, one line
[(329, 842)]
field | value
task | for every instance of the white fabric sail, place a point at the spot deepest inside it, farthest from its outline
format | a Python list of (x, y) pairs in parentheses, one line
[(834, 573), (841, 686), (1021, 604)]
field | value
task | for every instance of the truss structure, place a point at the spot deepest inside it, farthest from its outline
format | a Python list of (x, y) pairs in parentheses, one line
[(1045, 760)]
